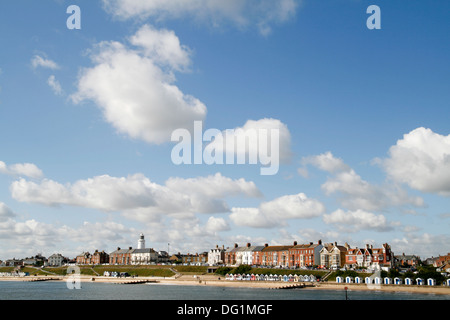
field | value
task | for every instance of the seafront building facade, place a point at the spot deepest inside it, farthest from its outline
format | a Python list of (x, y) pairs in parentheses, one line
[(318, 254)]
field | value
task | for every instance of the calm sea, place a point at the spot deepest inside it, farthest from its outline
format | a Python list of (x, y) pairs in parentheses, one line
[(102, 291)]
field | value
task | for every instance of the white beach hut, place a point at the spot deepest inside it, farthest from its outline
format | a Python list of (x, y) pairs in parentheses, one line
[(398, 281), (348, 279), (378, 280), (339, 279), (447, 282), (368, 280), (419, 281), (408, 281), (387, 280), (431, 282), (358, 280)]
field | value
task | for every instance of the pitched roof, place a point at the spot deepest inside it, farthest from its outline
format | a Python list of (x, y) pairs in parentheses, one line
[(276, 248)]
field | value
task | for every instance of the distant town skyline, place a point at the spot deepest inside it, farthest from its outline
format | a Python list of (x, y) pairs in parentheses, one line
[(92, 91)]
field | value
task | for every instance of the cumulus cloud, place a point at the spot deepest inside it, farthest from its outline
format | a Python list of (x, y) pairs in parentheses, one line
[(353, 221), (241, 13), (134, 87), (21, 169), (421, 160), (136, 195), (255, 138), (356, 193), (274, 213)]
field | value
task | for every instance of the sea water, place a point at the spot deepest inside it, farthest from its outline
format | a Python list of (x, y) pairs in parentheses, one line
[(15, 290)]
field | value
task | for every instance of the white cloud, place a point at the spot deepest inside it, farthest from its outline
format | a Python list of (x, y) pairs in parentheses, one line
[(353, 221), (275, 213), (214, 186), (21, 169), (38, 61), (254, 138), (55, 85), (5, 212), (216, 225), (326, 162), (356, 193), (136, 196), (425, 245), (422, 161), (241, 13), (135, 88)]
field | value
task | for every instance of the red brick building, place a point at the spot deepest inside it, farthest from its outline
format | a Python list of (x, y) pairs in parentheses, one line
[(121, 256), (305, 255)]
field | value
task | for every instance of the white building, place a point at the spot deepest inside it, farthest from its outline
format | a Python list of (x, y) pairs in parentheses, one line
[(143, 255), (216, 256), (141, 242)]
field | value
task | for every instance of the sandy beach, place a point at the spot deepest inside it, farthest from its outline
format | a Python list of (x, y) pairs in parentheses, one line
[(211, 280)]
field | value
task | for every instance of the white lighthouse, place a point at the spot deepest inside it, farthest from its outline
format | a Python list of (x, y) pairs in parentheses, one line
[(141, 242)]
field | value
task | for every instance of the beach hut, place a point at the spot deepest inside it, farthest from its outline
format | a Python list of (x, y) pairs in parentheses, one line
[(307, 278), (419, 281), (358, 280), (291, 278), (312, 278), (339, 279), (408, 281), (378, 280), (447, 282), (368, 280), (348, 279), (248, 277), (252, 277), (387, 280), (285, 278), (238, 277), (280, 278), (397, 281), (266, 277), (296, 277), (431, 282)]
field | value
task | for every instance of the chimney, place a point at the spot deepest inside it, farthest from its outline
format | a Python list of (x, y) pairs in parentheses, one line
[(118, 248), (319, 242), (295, 243), (266, 245), (248, 245), (129, 248), (235, 245), (310, 243), (335, 243)]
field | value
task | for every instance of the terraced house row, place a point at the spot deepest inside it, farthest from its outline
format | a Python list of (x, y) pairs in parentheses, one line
[(328, 255)]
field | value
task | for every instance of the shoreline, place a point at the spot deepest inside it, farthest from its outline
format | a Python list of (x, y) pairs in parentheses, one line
[(214, 281)]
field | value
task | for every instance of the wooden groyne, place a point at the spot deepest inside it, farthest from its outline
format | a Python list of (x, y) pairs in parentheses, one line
[(42, 279), (137, 282), (294, 286)]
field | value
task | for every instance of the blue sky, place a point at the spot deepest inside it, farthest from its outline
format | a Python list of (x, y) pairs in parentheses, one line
[(86, 116)]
